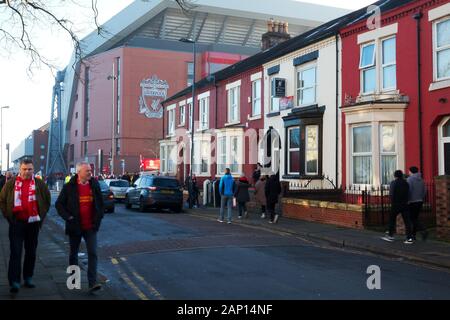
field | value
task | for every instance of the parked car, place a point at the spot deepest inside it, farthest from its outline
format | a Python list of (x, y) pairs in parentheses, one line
[(155, 192), (118, 187), (108, 196)]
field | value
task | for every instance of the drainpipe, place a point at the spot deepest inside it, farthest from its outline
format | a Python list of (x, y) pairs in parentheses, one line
[(418, 16), (337, 111)]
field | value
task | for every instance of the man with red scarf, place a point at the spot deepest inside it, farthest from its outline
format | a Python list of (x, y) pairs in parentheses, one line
[(24, 202), (80, 204)]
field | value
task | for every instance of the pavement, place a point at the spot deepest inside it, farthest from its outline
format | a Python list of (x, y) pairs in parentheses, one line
[(432, 253)]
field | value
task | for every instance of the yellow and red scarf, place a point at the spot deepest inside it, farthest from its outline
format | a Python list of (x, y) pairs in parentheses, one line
[(34, 215)]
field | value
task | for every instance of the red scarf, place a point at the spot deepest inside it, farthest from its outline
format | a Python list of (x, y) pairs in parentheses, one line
[(34, 215)]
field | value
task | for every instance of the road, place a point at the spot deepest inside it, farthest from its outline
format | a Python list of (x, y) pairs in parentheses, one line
[(162, 255)]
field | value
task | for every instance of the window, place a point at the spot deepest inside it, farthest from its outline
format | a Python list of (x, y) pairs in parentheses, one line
[(274, 101), (444, 147), (388, 153), (171, 122), (201, 157), (229, 152), (442, 49), (378, 66), (362, 155), (256, 98), (182, 115), (204, 113), (170, 159), (294, 150), (222, 159), (312, 150), (234, 163), (84, 149), (163, 158), (76, 133), (86, 102), (190, 73), (306, 86), (233, 104), (190, 116)]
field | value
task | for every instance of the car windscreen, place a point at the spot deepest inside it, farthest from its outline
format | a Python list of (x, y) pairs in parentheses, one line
[(166, 183), (103, 185), (121, 184)]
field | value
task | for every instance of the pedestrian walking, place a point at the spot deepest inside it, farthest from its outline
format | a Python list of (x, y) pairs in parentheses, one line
[(80, 204), (260, 195), (24, 202), (399, 193), (195, 192), (416, 196), (242, 196), (272, 190), (226, 188)]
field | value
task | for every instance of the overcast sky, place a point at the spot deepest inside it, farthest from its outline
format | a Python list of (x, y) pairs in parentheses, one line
[(29, 97)]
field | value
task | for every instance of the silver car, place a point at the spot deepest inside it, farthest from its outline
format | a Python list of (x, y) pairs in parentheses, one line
[(118, 187)]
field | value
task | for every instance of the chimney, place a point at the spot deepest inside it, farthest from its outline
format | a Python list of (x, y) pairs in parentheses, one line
[(277, 32)]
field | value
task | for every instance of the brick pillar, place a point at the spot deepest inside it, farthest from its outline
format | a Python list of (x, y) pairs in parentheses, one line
[(443, 207)]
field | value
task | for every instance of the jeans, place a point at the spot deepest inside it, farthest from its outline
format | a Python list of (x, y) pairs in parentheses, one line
[(228, 201), (90, 238), (242, 208), (403, 209), (22, 234), (414, 211)]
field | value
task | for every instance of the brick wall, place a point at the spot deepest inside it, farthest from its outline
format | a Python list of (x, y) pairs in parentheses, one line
[(340, 214), (443, 207)]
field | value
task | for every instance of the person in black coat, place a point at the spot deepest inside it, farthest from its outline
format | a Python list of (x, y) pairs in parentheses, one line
[(242, 195), (399, 193), (272, 190), (80, 204)]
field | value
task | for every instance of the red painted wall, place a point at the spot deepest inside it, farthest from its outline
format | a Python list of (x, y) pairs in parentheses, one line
[(407, 83)]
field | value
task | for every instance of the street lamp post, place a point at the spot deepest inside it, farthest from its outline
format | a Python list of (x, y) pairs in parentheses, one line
[(1, 137), (113, 145), (186, 40)]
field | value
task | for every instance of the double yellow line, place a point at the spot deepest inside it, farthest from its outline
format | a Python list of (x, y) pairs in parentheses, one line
[(138, 292)]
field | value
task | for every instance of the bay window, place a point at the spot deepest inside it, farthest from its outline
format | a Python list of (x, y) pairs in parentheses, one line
[(388, 153), (230, 150), (362, 154), (294, 150), (312, 150)]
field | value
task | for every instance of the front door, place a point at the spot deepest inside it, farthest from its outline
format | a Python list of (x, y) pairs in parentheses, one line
[(444, 147), (447, 159)]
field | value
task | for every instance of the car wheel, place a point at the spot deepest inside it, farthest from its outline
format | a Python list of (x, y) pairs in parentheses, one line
[(127, 202), (141, 205)]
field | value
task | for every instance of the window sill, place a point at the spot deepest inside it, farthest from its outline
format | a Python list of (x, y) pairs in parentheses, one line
[(273, 114), (439, 85), (302, 177), (229, 124), (202, 175), (252, 118)]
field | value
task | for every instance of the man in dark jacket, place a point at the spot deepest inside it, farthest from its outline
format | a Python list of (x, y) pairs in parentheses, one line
[(273, 190), (417, 192), (399, 191), (24, 202), (80, 204)]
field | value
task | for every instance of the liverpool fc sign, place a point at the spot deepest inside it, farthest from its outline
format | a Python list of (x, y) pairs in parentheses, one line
[(154, 91)]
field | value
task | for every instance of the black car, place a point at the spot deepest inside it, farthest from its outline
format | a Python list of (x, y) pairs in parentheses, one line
[(155, 192), (108, 196)]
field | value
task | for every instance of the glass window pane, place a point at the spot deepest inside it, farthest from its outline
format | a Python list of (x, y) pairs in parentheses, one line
[(311, 138), (369, 80), (443, 33), (309, 77), (275, 104), (390, 77), (312, 160), (389, 51), (443, 61), (308, 96), (388, 138), (388, 167), (294, 138), (294, 161), (446, 129), (362, 169), (367, 56), (362, 139)]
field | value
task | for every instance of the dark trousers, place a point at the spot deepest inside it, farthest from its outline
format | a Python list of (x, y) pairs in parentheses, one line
[(22, 234), (242, 208), (404, 210), (263, 209), (271, 209), (414, 212), (90, 238)]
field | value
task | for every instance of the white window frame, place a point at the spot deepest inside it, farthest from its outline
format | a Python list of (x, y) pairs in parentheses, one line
[(162, 153), (289, 149), (385, 153), (189, 106), (222, 154), (436, 50), (204, 113), (229, 135), (441, 141), (272, 97), (316, 150), (171, 121), (361, 154), (300, 87), (182, 114), (198, 156), (377, 64), (233, 92), (256, 97), (171, 162)]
